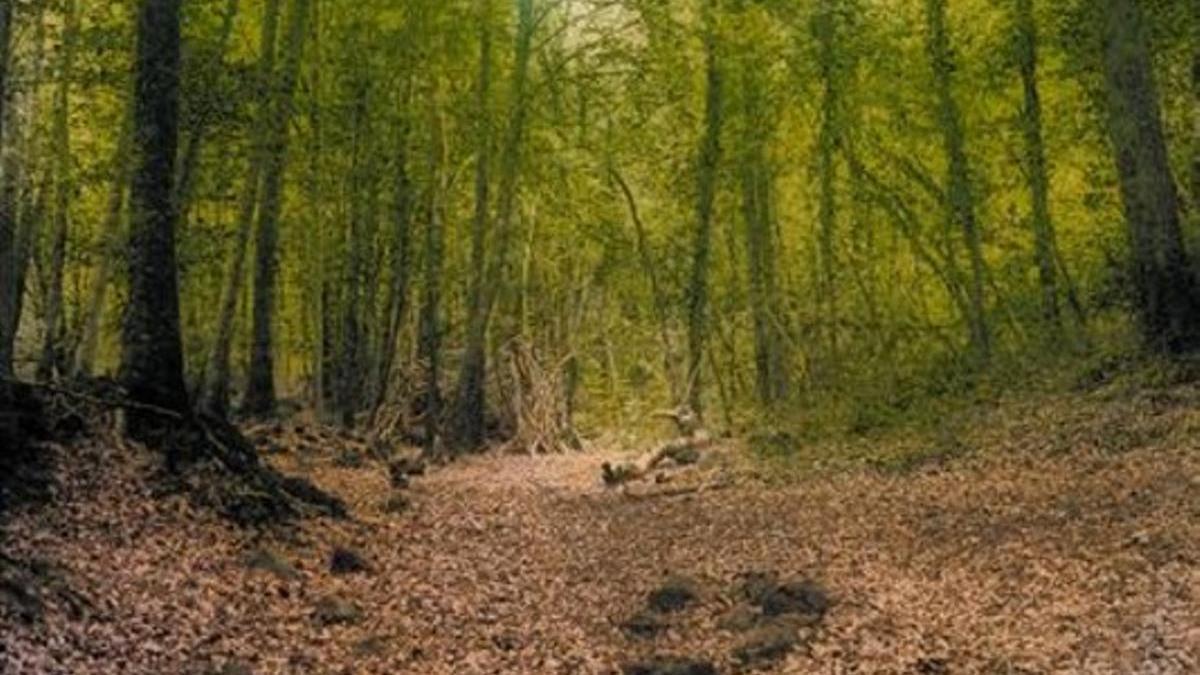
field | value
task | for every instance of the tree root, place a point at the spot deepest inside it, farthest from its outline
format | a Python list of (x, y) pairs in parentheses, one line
[(229, 473)]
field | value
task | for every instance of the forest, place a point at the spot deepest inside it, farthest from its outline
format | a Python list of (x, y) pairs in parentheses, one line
[(599, 336)]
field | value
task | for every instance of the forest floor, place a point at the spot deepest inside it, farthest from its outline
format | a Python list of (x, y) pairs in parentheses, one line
[(1063, 535)]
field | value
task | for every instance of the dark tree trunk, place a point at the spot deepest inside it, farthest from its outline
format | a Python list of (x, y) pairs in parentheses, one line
[(152, 354), (1164, 285)]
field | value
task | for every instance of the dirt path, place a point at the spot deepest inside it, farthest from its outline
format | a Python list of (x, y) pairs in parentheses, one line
[(1034, 563)]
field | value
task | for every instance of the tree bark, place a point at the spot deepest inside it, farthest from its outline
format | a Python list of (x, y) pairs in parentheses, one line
[(152, 354), (260, 391), (1164, 284)]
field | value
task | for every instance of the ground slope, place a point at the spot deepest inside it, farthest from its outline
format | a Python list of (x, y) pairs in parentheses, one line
[(1066, 539)]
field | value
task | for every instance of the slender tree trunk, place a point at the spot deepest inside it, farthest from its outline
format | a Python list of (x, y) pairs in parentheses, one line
[(354, 279), (401, 264), (709, 158), (1163, 280), (260, 392), (470, 405), (959, 188), (755, 131), (650, 269), (20, 168), (189, 160), (214, 397), (430, 338), (1035, 160), (8, 261), (828, 140), (53, 336), (111, 240), (152, 354)]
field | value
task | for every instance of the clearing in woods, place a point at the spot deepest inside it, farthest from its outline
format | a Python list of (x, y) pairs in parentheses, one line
[(1062, 538)]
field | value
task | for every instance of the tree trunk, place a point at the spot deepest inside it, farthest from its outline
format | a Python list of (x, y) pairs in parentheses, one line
[(19, 165), (959, 188), (470, 405), (355, 279), (650, 269), (214, 397), (709, 157), (152, 355), (401, 264), (189, 160), (110, 243), (1164, 284), (260, 391), (8, 261), (430, 339), (828, 140), (1035, 160), (52, 338), (771, 381)]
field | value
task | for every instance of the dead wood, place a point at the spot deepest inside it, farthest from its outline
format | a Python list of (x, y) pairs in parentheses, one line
[(682, 451)]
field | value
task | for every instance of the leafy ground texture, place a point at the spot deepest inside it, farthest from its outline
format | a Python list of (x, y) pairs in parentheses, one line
[(1061, 535)]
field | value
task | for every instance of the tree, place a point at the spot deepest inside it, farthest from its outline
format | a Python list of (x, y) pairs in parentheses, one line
[(152, 349), (960, 192), (8, 262), (470, 405), (1164, 284), (755, 130), (708, 158), (260, 390), (53, 315), (1036, 171), (214, 397), (429, 348)]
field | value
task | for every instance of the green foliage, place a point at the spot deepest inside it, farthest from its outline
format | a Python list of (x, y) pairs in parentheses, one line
[(868, 326)]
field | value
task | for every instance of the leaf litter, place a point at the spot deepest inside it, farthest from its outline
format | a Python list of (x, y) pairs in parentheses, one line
[(1067, 541)]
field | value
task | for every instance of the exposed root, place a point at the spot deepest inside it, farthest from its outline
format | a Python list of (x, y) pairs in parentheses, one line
[(214, 459)]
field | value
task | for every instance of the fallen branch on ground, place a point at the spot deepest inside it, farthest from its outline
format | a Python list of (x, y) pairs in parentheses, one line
[(683, 450)]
